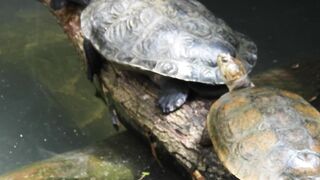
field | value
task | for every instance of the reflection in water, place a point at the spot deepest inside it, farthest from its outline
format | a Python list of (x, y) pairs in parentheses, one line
[(46, 104)]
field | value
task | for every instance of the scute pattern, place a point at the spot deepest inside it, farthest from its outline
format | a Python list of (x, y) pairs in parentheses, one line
[(180, 38), (266, 133)]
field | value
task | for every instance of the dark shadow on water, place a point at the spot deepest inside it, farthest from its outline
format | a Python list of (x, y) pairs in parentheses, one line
[(287, 35), (286, 32)]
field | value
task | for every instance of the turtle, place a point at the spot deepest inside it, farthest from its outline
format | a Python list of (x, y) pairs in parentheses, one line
[(263, 132), (175, 42)]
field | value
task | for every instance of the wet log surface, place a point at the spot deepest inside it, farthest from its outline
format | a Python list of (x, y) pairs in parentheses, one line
[(178, 134)]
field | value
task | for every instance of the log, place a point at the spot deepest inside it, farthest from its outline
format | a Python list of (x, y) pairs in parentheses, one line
[(134, 98)]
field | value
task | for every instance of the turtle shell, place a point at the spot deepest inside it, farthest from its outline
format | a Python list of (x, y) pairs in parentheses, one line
[(266, 133), (175, 38)]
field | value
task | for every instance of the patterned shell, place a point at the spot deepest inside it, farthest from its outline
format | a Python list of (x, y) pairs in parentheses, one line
[(264, 133), (174, 38)]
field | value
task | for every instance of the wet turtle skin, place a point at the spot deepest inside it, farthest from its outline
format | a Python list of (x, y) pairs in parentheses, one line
[(174, 38), (266, 133)]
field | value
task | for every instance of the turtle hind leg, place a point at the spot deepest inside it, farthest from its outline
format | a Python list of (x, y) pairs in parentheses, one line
[(173, 95), (94, 60), (95, 63)]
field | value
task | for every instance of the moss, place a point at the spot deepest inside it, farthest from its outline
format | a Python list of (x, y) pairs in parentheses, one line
[(73, 165)]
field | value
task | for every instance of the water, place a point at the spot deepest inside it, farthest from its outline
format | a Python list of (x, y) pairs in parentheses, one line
[(286, 32), (47, 106), (287, 35)]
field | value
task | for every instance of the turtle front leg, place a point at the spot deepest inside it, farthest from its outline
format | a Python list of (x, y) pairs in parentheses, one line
[(95, 63), (173, 95)]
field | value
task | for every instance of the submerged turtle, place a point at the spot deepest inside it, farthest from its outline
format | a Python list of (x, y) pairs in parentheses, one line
[(176, 39), (264, 133)]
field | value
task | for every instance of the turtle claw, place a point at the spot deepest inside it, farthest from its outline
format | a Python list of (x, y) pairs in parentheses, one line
[(171, 101), (115, 120)]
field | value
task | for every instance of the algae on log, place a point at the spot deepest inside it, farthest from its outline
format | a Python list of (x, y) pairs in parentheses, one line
[(134, 98), (91, 162)]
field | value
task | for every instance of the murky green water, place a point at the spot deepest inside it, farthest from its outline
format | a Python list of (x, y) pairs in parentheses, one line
[(46, 104)]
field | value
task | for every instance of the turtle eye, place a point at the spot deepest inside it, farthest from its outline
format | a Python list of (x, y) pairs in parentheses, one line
[(224, 60)]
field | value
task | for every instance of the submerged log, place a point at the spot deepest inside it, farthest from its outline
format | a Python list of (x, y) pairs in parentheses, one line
[(91, 162), (134, 97)]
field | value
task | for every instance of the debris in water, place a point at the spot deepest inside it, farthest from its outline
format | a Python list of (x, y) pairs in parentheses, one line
[(197, 175), (313, 98), (143, 175), (295, 66)]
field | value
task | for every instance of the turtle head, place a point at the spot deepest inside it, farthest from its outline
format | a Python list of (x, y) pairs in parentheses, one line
[(233, 72)]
